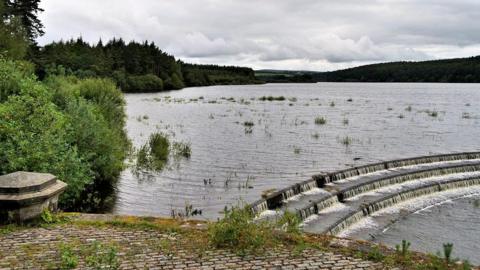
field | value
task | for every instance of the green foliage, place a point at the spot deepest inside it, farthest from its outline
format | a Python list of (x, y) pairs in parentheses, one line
[(248, 123), (11, 76), (403, 249), (450, 70), (13, 35), (143, 83), (34, 137), (159, 146), (153, 155), (320, 120), (102, 256), (27, 14), (238, 231), (47, 216), (290, 223), (68, 258), (374, 254), (68, 127), (447, 252), (135, 67), (272, 98), (182, 149), (346, 141)]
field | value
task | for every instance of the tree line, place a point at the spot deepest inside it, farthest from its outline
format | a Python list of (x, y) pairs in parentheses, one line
[(459, 70), (134, 66)]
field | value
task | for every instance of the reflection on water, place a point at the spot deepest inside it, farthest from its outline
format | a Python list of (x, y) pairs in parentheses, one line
[(231, 162)]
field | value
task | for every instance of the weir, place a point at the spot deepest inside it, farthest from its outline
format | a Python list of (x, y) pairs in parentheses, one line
[(342, 187), (391, 200)]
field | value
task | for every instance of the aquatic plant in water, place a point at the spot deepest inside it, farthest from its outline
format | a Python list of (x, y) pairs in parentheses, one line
[(320, 120)]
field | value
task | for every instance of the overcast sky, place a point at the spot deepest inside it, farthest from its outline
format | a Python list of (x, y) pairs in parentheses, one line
[(281, 34)]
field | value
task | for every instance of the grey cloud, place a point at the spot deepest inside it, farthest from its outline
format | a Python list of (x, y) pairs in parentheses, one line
[(311, 34)]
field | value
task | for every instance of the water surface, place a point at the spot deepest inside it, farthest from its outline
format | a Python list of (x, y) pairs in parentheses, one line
[(285, 146)]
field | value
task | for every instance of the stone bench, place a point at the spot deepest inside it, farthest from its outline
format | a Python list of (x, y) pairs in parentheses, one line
[(25, 195)]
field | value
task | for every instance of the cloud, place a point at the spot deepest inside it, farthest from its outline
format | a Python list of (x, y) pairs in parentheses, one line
[(311, 34)]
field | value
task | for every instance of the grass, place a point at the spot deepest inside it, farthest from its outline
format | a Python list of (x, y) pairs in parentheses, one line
[(345, 121), (272, 98), (248, 123), (346, 141), (182, 149), (332, 104), (237, 232), (154, 154), (297, 150), (408, 108), (316, 136), (320, 120), (433, 113)]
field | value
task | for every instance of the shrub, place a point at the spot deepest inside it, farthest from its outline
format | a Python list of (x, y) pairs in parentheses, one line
[(33, 137), (97, 134), (238, 231), (71, 128), (11, 76)]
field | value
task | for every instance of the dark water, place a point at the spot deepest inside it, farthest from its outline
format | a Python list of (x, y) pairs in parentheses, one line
[(285, 146)]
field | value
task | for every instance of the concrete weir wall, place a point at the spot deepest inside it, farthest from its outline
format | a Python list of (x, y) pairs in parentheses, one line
[(393, 199), (276, 199)]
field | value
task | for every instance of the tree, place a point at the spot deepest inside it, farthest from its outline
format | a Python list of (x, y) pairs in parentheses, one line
[(13, 37), (27, 11)]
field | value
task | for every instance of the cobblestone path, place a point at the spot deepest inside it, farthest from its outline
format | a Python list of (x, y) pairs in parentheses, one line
[(42, 248)]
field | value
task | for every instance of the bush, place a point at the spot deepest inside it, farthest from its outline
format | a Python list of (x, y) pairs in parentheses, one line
[(144, 83), (33, 137), (237, 231), (11, 75), (95, 111), (71, 128)]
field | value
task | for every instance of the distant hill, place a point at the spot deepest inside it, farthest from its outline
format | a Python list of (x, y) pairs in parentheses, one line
[(459, 70)]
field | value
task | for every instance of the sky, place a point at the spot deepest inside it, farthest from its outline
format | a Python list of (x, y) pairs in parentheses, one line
[(317, 35)]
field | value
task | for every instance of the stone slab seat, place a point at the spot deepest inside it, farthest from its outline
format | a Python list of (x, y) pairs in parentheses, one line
[(24, 195)]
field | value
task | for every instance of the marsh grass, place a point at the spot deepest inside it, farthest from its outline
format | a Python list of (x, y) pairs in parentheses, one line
[(345, 121), (320, 120), (346, 141), (248, 123), (272, 98), (154, 154), (182, 149)]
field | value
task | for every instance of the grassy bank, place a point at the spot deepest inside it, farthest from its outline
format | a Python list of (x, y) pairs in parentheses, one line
[(236, 233)]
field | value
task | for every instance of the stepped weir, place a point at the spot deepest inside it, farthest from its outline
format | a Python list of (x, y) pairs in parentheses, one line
[(342, 198)]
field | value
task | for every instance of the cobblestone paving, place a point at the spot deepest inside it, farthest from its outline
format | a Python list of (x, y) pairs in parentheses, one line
[(39, 248)]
